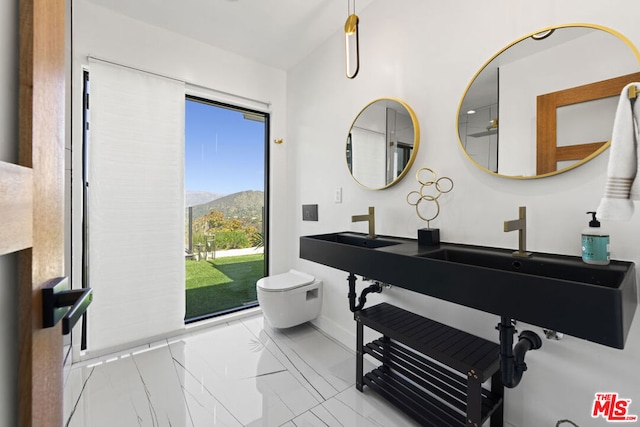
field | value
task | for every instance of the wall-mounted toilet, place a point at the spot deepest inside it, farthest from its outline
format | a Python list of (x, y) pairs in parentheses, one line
[(290, 298)]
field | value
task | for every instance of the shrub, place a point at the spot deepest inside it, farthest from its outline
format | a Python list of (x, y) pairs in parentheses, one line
[(231, 240)]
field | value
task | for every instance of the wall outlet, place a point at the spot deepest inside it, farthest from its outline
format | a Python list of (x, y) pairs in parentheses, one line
[(309, 212), (337, 197)]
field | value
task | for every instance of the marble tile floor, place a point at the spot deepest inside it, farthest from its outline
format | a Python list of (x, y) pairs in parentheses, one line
[(242, 373)]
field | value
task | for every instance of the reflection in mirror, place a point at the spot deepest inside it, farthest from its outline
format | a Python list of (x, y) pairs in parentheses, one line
[(382, 143), (545, 104)]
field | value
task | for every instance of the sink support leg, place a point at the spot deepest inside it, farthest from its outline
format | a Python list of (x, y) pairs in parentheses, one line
[(512, 364), (359, 353), (376, 287), (497, 389)]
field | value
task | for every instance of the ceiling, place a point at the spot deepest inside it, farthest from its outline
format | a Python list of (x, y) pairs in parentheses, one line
[(278, 33)]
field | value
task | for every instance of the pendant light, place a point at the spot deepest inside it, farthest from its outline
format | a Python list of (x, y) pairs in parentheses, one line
[(352, 50)]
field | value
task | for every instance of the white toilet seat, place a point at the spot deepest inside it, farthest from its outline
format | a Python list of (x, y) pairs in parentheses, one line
[(289, 299), (285, 282)]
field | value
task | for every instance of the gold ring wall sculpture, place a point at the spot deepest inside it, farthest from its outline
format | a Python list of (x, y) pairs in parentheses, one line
[(433, 185)]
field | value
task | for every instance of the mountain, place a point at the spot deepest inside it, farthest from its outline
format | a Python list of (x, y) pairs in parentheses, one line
[(244, 205), (193, 198)]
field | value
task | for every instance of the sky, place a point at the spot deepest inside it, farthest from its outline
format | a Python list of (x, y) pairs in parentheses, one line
[(224, 153)]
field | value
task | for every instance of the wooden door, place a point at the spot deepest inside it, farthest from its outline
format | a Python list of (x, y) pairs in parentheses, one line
[(32, 207)]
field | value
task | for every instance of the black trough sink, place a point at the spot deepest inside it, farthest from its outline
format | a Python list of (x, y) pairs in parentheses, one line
[(557, 292)]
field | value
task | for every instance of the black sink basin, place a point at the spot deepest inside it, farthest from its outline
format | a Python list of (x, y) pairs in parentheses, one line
[(556, 292), (545, 266), (355, 239)]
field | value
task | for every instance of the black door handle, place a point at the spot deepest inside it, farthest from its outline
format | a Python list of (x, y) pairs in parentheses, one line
[(56, 300)]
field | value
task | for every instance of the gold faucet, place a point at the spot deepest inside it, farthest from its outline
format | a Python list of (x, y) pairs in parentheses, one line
[(370, 218), (519, 224)]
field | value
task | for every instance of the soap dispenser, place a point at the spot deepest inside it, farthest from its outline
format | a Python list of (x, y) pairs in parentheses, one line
[(595, 243)]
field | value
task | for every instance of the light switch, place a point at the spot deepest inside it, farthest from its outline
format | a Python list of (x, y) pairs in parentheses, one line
[(338, 195)]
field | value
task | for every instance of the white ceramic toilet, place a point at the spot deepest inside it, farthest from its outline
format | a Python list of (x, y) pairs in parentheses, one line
[(289, 299)]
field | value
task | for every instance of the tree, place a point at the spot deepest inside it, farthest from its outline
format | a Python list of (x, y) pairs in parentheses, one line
[(230, 233)]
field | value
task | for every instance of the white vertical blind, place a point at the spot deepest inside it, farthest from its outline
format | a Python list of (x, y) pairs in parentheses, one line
[(136, 206)]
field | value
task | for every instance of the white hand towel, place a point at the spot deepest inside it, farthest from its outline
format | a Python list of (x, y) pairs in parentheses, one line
[(622, 186)]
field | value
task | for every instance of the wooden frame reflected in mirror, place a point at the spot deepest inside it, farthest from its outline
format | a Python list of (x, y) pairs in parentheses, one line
[(548, 153)]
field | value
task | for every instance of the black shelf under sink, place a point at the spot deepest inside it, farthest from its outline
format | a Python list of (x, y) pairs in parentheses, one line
[(432, 372)]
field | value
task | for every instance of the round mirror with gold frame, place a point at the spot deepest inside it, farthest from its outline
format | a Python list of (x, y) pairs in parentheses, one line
[(382, 143), (545, 104)]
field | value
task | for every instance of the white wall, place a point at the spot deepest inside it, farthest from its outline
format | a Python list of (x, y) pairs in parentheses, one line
[(8, 153), (425, 53)]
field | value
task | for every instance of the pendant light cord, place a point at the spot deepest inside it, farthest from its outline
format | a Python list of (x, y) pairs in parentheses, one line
[(349, 7)]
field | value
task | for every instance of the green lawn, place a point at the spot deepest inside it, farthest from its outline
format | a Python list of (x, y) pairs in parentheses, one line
[(221, 284)]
